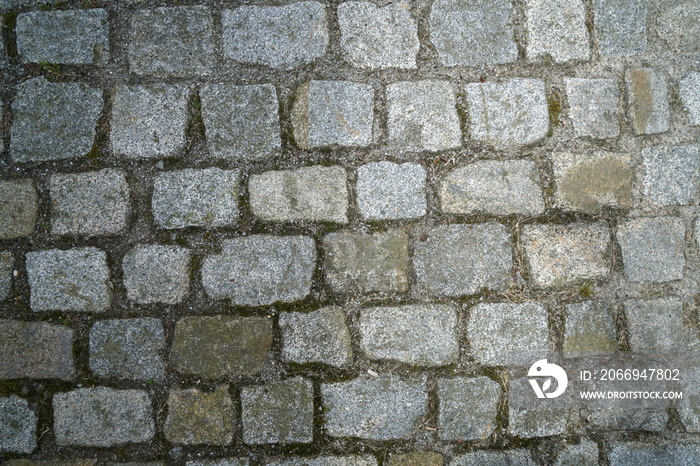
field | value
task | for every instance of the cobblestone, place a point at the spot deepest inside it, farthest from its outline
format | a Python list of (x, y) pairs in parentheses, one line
[(220, 462), (529, 416), (626, 419), (647, 100), (557, 29), (670, 174), (677, 25), (658, 325), (157, 274), (582, 454), (317, 337), (36, 350), (689, 407), (417, 458), (689, 92), (486, 457), (590, 329), (18, 208), (389, 191), (624, 453), (620, 26), (6, 267), (468, 408), (197, 417), (17, 425), (594, 107), (354, 460)]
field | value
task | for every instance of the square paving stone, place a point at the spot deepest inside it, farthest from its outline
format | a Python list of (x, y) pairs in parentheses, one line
[(647, 100), (557, 29), (317, 337), (423, 116), (60, 116), (92, 203), (607, 418), (75, 37), (670, 454), (157, 274), (17, 425), (149, 121), (18, 208), (326, 460), (220, 462), (328, 113), (69, 280), (376, 38), (280, 412), (473, 32), (390, 191), (36, 350), (196, 417), (582, 454), (689, 92), (175, 41), (468, 408), (593, 105), (689, 407), (520, 457), (620, 26), (102, 417), (6, 268), (241, 122), (677, 24), (589, 329), (657, 325), (670, 174), (529, 416), (128, 348)]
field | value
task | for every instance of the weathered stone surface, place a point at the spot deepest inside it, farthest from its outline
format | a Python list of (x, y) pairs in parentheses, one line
[(316, 193), (197, 417), (157, 274), (389, 191), (328, 113), (620, 26), (678, 25), (670, 174), (507, 334), (689, 92), (220, 462), (241, 122), (582, 454), (589, 329), (60, 116), (18, 208), (647, 100), (174, 41), (510, 114), (529, 416), (557, 29), (559, 255), (17, 425), (420, 335), (6, 267), (473, 32), (102, 417), (128, 348), (75, 37), (468, 408), (25, 462), (91, 203), (205, 198), (280, 412), (423, 116), (689, 406), (149, 121), (283, 37), (35, 350), (499, 187), (417, 458), (317, 337), (609, 418), (260, 270), (593, 107), (382, 408), (370, 263), (652, 249), (669, 454), (354, 460), (517, 456), (220, 346), (69, 280), (377, 38), (658, 325)]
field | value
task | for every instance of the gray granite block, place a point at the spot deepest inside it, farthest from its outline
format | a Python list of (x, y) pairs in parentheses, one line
[(589, 329), (593, 107), (689, 406), (157, 274), (556, 29), (327, 460), (36, 350), (670, 174), (196, 417), (389, 191), (219, 462), (689, 92), (316, 337), (658, 325), (584, 453), (468, 408), (667, 454), (620, 26), (6, 267), (647, 100), (518, 456), (529, 416), (19, 208), (17, 425), (677, 24)]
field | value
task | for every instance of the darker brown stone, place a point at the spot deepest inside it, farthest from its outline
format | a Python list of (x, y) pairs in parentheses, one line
[(417, 458), (643, 99), (584, 185), (196, 417)]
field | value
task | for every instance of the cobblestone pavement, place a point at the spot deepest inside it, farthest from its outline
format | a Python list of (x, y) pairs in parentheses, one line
[(334, 233)]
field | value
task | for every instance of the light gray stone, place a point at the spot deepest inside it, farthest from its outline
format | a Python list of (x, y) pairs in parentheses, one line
[(75, 37), (518, 456), (620, 26), (614, 418), (657, 325), (377, 38), (157, 274), (316, 194), (59, 116), (283, 37), (689, 92), (18, 208), (205, 198), (6, 267), (260, 270), (689, 406), (102, 417), (589, 329), (241, 122), (220, 462), (90, 204), (678, 24), (670, 174), (196, 417), (529, 416), (423, 116), (593, 105), (667, 454), (647, 100), (35, 350), (69, 280), (457, 260), (17, 425), (468, 408), (389, 191), (557, 29), (507, 334), (317, 337), (582, 454), (473, 32), (354, 460), (499, 187)]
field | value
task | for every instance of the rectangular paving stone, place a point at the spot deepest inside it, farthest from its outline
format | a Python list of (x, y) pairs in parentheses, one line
[(620, 26), (327, 460), (419, 335), (559, 255), (677, 25), (260, 270), (149, 121), (417, 458), (556, 29), (369, 263), (584, 453), (17, 425), (468, 408), (609, 418), (157, 274), (458, 260), (282, 37), (329, 113), (59, 116), (390, 191), (75, 37), (18, 208), (530, 417), (378, 38), (423, 116), (688, 408), (316, 337), (220, 462), (102, 417), (499, 187), (197, 417), (220, 346), (241, 122), (279, 412), (670, 174), (35, 350), (382, 408), (69, 280), (6, 268), (593, 105), (508, 114), (668, 454), (689, 92), (647, 100), (316, 194), (519, 456), (657, 325), (128, 349), (191, 197), (473, 32), (173, 41), (91, 203), (589, 329), (26, 462)]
